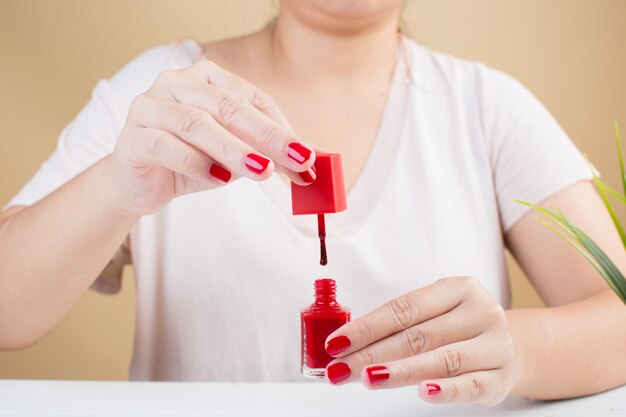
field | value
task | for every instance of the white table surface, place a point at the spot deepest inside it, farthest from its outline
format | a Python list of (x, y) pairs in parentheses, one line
[(74, 398)]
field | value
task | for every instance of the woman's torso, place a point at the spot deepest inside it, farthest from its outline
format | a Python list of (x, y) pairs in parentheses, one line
[(222, 275)]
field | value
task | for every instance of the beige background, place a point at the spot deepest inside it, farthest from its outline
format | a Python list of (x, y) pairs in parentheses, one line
[(571, 53)]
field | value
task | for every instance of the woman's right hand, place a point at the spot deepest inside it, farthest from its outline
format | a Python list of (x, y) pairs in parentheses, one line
[(200, 128)]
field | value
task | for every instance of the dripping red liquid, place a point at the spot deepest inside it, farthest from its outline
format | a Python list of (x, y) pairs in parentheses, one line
[(321, 232)]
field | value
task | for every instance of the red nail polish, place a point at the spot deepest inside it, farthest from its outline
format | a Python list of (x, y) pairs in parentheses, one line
[(377, 375), (256, 163), (318, 321), (338, 344), (338, 372), (433, 389), (307, 176), (298, 152), (220, 173)]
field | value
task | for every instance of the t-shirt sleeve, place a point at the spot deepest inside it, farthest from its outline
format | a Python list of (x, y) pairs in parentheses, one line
[(88, 138), (93, 133), (531, 156)]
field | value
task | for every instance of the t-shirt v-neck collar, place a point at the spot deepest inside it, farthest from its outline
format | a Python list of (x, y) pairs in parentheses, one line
[(369, 186)]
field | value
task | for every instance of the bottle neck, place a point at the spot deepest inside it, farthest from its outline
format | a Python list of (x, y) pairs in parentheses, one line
[(325, 294)]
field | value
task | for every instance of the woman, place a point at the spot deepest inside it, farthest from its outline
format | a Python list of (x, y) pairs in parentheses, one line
[(435, 150)]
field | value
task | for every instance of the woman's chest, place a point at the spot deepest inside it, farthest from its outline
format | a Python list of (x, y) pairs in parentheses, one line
[(241, 246), (346, 122)]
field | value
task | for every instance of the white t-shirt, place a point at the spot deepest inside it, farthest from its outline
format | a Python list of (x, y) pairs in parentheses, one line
[(222, 275)]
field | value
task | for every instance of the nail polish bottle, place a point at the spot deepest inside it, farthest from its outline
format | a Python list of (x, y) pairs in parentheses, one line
[(327, 194), (318, 321)]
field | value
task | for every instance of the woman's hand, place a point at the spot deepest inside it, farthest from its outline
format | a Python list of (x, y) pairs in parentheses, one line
[(199, 128), (451, 338)]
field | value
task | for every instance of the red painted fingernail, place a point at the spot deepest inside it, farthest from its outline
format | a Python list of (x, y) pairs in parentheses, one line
[(377, 375), (256, 163), (433, 389), (337, 345), (298, 152), (307, 176), (220, 173), (338, 372)]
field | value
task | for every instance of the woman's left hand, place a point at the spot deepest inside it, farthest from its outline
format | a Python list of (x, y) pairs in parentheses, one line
[(451, 339)]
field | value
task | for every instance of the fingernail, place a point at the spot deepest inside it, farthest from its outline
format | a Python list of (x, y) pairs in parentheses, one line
[(338, 344), (256, 163), (307, 176), (220, 173), (377, 375), (338, 372), (432, 389), (298, 152)]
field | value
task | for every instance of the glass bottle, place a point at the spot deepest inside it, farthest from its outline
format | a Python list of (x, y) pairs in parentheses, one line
[(318, 321)]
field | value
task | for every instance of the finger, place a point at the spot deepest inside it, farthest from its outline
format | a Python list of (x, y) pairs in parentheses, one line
[(445, 362), (457, 325), (234, 112), (301, 178), (159, 147), (200, 130), (214, 74), (484, 387), (396, 315)]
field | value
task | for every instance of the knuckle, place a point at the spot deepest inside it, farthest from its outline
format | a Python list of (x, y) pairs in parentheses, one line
[(165, 77), (187, 161), (402, 311), (445, 282), (205, 64), (451, 362), (154, 145), (366, 357), (476, 389), (452, 392), (497, 313), (138, 102), (402, 373), (263, 102), (191, 123), (229, 106), (227, 148), (365, 330), (414, 340), (469, 282), (271, 135)]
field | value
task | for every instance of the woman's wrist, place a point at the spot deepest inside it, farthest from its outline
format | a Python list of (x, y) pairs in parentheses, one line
[(521, 367), (111, 198)]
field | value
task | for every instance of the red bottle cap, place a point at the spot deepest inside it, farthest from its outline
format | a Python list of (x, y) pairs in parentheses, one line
[(327, 194)]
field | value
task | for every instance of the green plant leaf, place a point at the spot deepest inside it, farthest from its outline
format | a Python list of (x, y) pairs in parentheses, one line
[(549, 214), (614, 273), (582, 250), (614, 192), (620, 156), (607, 203), (558, 223)]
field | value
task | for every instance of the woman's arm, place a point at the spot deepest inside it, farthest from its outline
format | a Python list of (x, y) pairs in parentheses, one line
[(51, 252), (454, 342), (195, 129), (571, 350), (577, 345)]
